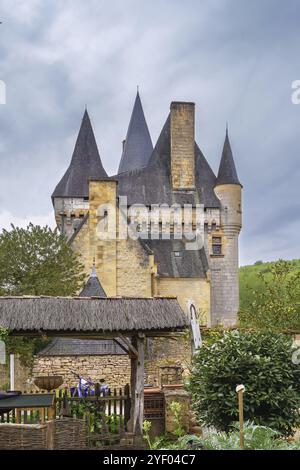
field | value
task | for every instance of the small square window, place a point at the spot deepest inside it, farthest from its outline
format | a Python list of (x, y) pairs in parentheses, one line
[(217, 245), (217, 249), (177, 254)]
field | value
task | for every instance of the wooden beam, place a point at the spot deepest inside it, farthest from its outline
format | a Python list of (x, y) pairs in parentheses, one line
[(130, 345), (98, 335), (118, 342), (137, 386)]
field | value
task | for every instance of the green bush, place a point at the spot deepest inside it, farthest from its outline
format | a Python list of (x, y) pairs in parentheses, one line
[(270, 296), (260, 361)]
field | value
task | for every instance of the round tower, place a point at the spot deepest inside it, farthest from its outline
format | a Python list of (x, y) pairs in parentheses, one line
[(225, 263)]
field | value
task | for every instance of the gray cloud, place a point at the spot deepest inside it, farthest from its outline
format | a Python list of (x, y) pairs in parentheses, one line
[(235, 59)]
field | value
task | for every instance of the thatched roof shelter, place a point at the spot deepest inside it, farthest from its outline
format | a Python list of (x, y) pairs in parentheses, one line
[(126, 320), (87, 315)]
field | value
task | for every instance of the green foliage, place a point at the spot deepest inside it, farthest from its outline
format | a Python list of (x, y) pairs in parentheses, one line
[(255, 438), (4, 332), (176, 409), (97, 417), (263, 363), (38, 261), (270, 296), (26, 347)]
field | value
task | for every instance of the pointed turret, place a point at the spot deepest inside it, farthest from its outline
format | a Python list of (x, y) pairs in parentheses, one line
[(85, 163), (137, 147), (93, 286), (227, 171)]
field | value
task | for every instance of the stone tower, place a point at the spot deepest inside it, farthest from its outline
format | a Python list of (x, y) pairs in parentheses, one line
[(224, 243), (71, 196)]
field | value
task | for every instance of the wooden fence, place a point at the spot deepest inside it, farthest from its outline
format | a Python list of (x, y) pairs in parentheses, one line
[(106, 416)]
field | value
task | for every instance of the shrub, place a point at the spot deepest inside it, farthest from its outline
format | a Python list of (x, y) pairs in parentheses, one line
[(255, 438), (263, 363)]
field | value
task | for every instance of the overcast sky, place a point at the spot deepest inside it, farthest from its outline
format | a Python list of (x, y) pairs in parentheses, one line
[(235, 59)]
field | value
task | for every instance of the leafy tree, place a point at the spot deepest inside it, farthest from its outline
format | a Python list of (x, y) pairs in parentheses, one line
[(272, 300), (260, 361), (38, 261)]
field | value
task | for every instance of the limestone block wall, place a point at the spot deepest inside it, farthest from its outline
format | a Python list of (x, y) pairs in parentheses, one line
[(115, 369), (166, 351), (133, 270), (81, 246), (103, 194), (186, 289)]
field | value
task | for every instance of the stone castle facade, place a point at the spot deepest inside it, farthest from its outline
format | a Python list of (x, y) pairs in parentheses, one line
[(174, 172), (87, 203)]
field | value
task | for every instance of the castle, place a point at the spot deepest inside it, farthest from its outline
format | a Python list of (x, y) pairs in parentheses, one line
[(173, 173)]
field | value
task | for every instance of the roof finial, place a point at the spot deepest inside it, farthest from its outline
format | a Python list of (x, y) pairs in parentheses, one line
[(226, 127), (94, 272), (137, 88)]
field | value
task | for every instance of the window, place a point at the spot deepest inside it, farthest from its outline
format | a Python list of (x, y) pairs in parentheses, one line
[(177, 254), (216, 245)]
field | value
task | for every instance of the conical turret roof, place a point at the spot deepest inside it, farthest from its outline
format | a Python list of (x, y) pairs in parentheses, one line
[(138, 146), (93, 286), (227, 172), (85, 164)]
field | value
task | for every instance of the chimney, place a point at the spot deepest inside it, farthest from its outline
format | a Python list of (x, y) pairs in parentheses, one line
[(182, 145)]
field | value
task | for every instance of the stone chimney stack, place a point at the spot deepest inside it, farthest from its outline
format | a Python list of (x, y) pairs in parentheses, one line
[(182, 145)]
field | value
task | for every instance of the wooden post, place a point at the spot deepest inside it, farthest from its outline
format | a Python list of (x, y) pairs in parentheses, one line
[(18, 415), (137, 386), (12, 372), (51, 412), (240, 391)]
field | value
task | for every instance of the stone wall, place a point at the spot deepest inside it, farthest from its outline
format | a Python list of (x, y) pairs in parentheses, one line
[(186, 289), (166, 352), (114, 369), (133, 270), (103, 194)]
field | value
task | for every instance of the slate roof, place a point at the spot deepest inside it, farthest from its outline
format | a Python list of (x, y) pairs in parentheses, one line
[(138, 145), (93, 287), (152, 184), (227, 172), (188, 263), (81, 347), (85, 164), (86, 315)]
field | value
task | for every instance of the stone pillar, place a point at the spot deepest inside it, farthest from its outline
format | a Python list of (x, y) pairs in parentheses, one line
[(182, 397)]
